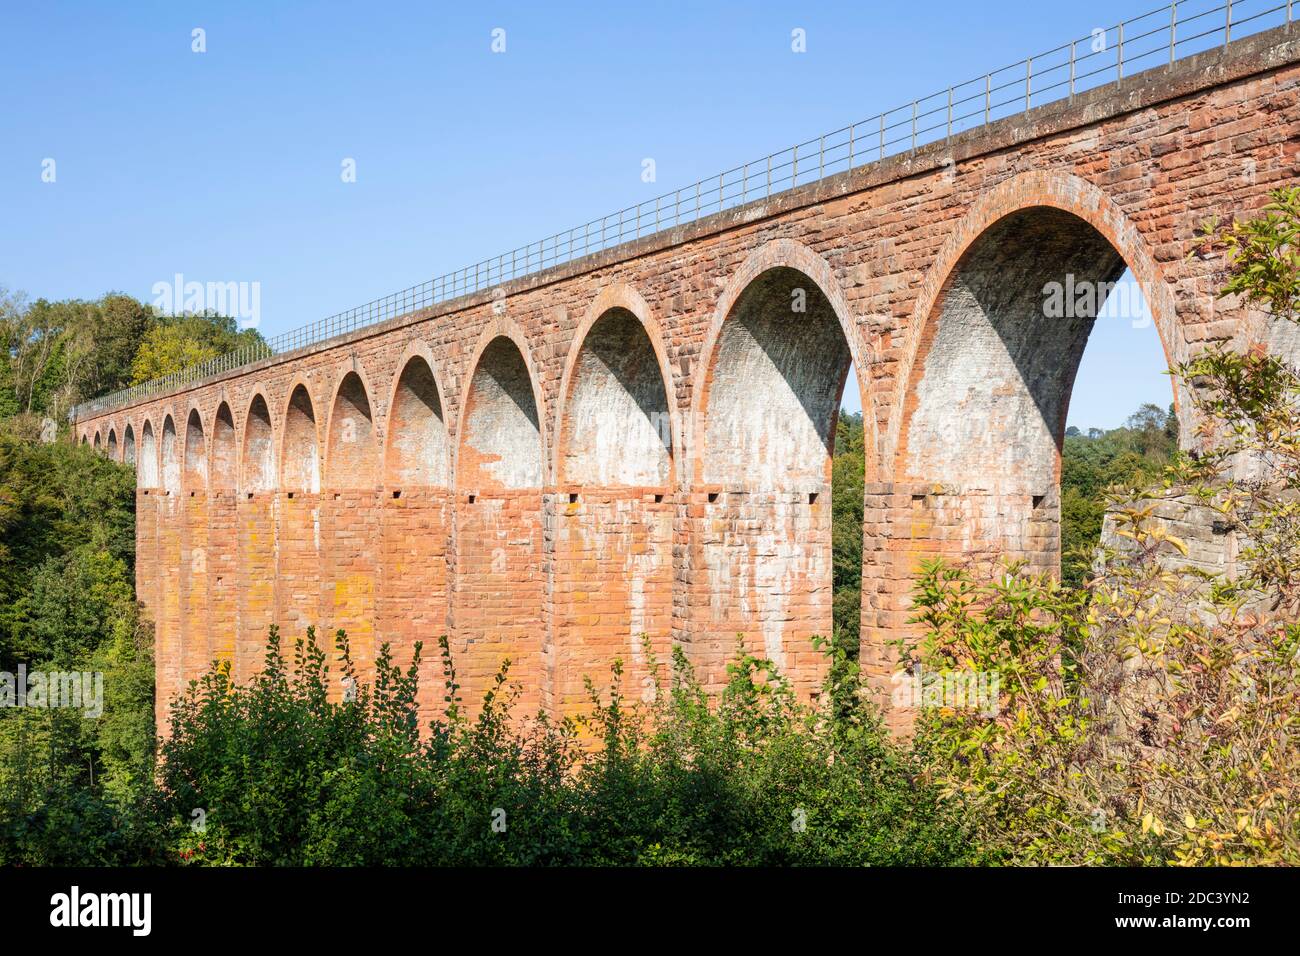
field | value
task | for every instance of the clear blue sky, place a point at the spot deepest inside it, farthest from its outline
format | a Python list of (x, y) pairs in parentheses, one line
[(225, 165)]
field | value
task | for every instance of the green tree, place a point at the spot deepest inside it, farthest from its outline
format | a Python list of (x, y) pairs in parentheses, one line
[(178, 342), (848, 470)]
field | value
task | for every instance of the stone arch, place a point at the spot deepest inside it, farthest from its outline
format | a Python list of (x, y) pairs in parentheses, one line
[(992, 366), (257, 450), (147, 471), (97, 441), (351, 456), (128, 445), (616, 423), (171, 457), (418, 446), (767, 400), (1028, 195), (195, 477), (111, 445), (224, 473), (773, 375), (300, 444), (501, 434)]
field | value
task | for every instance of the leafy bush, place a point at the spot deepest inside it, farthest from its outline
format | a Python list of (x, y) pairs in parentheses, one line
[(1151, 718), (282, 774)]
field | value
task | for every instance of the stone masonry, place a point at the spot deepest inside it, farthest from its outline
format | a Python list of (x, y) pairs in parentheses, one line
[(632, 450)]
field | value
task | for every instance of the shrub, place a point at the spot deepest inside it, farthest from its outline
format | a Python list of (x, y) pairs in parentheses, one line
[(282, 774)]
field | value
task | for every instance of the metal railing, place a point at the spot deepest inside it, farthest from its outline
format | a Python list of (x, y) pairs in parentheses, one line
[(1161, 36)]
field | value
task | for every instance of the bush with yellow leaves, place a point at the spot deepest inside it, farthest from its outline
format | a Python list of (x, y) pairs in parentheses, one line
[(1153, 717)]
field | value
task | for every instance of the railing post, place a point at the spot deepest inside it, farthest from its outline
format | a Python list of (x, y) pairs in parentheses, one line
[(1227, 26), (851, 126), (1029, 81), (882, 135), (1072, 45), (1119, 53), (821, 157), (988, 96), (914, 124), (950, 113), (1173, 31), (794, 168)]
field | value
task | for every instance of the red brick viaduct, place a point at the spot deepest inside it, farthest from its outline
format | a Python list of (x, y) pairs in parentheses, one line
[(639, 441)]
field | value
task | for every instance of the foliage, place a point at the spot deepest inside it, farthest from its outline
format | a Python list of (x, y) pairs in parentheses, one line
[(1150, 719), (58, 354), (847, 472), (283, 774), (174, 343), (67, 603), (1095, 463)]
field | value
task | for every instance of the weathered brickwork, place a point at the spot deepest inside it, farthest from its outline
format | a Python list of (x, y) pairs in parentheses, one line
[(639, 442)]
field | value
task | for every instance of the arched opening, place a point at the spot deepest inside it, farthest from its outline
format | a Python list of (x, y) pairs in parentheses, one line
[(991, 385), (778, 372), (96, 444), (300, 463), (614, 530), (224, 450), (501, 443), (128, 445), (617, 430), (418, 447), (351, 461), (499, 591), (256, 598), (112, 444), (298, 541), (171, 457), (147, 473), (415, 522), (196, 453), (259, 449), (768, 417)]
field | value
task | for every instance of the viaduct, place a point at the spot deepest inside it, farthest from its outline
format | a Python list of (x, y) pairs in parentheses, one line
[(638, 441)]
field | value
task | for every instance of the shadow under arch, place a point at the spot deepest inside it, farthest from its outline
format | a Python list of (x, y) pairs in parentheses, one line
[(351, 450), (783, 279), (1020, 194), (257, 450), (501, 441), (994, 369), (300, 443), (417, 450), (616, 421), (195, 473), (147, 472), (170, 453), (224, 472)]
